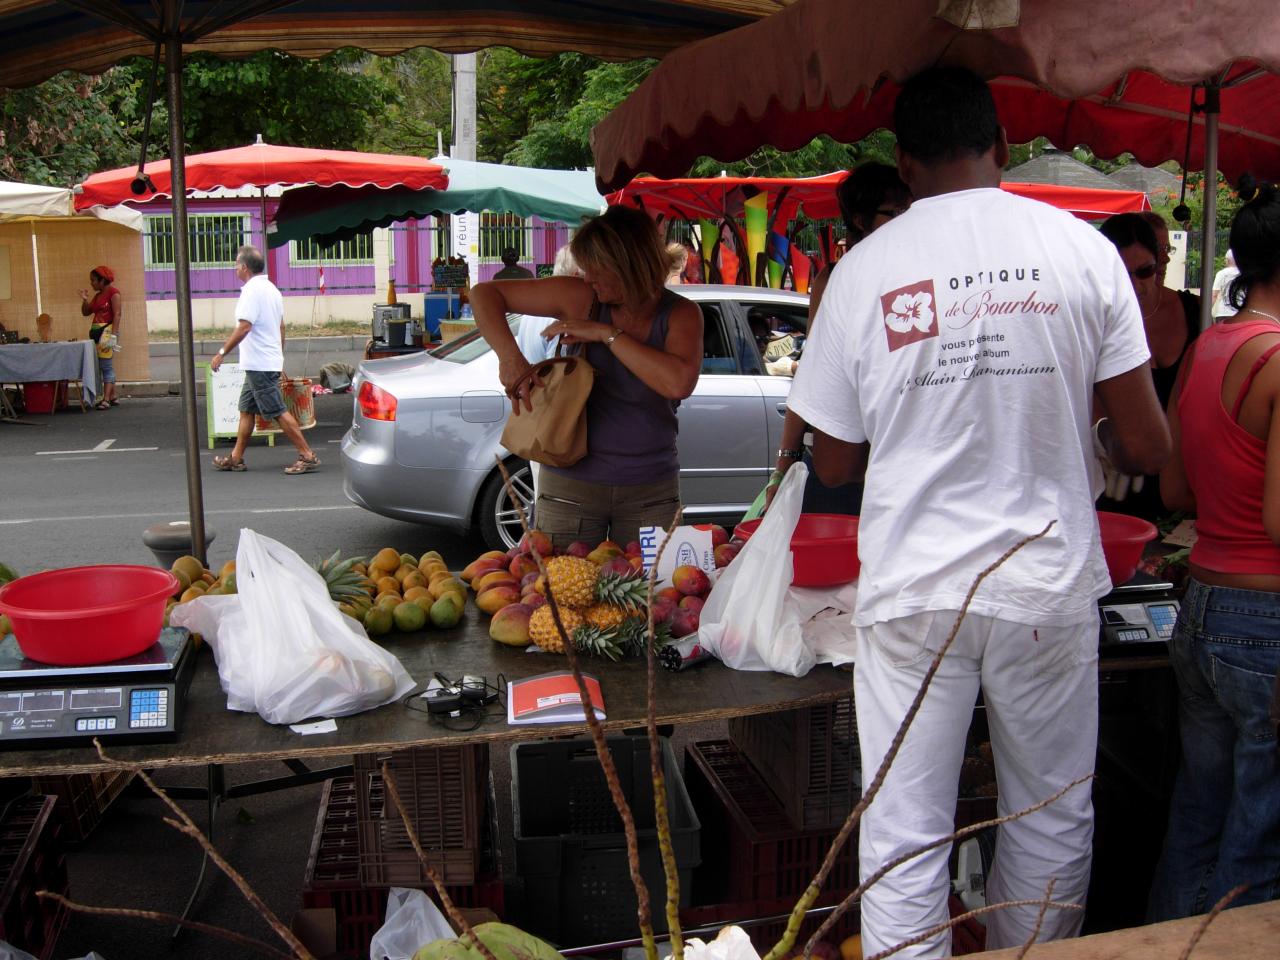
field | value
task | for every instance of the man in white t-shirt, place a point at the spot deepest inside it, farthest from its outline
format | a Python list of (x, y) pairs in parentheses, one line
[(954, 360), (259, 333)]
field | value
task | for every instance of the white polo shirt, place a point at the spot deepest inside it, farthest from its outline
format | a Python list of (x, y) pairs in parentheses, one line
[(262, 305)]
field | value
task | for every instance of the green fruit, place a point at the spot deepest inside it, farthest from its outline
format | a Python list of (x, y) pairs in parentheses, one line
[(229, 582), (6, 627), (408, 558), (409, 617), (6, 574), (445, 613), (378, 622)]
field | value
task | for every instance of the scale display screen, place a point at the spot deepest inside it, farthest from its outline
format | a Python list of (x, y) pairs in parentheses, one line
[(108, 698), (42, 700)]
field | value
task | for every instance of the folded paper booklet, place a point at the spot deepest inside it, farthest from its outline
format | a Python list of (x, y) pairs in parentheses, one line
[(551, 698)]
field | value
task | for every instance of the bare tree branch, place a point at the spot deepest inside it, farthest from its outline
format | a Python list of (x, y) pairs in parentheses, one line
[(1044, 908), (1209, 917), (459, 921), (811, 892), (188, 827), (643, 915), (661, 818), (834, 916), (961, 918)]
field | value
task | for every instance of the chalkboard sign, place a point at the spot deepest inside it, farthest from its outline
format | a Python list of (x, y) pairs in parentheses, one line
[(544, 270), (449, 276)]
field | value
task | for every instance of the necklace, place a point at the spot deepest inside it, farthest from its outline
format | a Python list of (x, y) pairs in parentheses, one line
[(1262, 313)]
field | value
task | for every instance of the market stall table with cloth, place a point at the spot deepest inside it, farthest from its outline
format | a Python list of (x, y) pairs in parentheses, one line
[(36, 362)]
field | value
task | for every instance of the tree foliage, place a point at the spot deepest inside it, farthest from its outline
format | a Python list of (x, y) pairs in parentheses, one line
[(59, 132), (419, 103), (328, 103)]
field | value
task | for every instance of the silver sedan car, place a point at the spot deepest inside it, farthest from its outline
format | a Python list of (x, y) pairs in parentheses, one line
[(425, 437)]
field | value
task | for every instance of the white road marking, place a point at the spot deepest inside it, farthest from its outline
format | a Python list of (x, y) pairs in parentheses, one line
[(104, 447), (151, 515), (61, 459)]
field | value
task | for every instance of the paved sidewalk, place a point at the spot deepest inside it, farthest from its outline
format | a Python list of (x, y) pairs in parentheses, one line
[(304, 356)]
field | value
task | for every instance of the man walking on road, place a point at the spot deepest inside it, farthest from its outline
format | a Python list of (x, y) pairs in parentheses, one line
[(954, 358), (259, 333)]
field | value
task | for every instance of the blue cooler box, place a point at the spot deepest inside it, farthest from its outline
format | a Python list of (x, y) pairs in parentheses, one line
[(436, 307)]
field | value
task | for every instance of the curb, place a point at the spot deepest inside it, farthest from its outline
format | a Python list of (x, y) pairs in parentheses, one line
[(207, 348), (155, 388)]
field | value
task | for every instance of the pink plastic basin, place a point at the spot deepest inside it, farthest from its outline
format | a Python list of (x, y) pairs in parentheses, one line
[(824, 548), (1123, 540), (80, 616)]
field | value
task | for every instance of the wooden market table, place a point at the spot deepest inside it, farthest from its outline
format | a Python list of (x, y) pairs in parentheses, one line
[(212, 734)]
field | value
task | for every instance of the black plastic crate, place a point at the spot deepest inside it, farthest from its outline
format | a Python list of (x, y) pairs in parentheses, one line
[(570, 848)]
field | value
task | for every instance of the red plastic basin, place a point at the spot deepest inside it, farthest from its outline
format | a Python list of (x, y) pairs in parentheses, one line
[(1123, 540), (80, 616), (824, 548)]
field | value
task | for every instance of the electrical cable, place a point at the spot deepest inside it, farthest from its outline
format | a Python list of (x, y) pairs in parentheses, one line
[(470, 714)]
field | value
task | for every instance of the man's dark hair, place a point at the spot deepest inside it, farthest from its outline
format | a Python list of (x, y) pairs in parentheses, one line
[(1255, 243), (945, 113), (252, 258), (1126, 229), (510, 257)]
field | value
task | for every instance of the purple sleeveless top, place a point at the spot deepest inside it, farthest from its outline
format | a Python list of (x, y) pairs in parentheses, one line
[(631, 428)]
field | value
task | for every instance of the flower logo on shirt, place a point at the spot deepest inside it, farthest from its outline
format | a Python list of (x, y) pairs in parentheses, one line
[(910, 314)]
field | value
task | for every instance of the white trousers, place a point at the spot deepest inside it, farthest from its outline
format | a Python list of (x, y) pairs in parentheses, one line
[(1040, 686)]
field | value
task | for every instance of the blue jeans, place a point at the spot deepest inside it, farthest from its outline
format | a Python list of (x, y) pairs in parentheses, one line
[(1224, 819)]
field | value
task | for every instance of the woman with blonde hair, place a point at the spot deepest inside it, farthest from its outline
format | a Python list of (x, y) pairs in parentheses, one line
[(644, 343)]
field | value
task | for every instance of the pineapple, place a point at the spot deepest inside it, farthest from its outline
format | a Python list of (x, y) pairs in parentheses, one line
[(542, 627), (580, 583), (341, 579), (633, 635), (586, 637), (628, 590), (572, 580), (605, 616)]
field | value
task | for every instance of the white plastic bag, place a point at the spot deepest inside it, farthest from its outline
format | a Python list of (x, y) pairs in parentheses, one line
[(731, 943), (283, 649), (750, 620), (413, 920)]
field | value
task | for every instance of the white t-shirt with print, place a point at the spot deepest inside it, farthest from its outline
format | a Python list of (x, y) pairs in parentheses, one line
[(260, 303), (963, 340)]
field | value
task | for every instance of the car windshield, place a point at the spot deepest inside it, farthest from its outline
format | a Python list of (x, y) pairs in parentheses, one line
[(470, 345)]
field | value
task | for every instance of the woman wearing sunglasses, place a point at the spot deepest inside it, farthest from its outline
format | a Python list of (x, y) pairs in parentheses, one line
[(1169, 334)]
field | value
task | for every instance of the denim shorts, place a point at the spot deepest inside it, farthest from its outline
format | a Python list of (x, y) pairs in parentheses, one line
[(107, 367), (261, 394)]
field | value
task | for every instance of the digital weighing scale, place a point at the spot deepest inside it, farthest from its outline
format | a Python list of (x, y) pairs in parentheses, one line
[(138, 699), (1137, 617)]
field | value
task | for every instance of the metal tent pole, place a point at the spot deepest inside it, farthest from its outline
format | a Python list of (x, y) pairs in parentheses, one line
[(1209, 221), (182, 277)]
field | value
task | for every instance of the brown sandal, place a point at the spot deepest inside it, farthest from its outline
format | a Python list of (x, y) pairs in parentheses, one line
[(228, 464), (303, 465)]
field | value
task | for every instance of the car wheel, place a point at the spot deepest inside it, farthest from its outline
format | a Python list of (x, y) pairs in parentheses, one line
[(497, 514)]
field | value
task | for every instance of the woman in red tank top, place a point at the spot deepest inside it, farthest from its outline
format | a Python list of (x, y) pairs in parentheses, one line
[(1224, 819)]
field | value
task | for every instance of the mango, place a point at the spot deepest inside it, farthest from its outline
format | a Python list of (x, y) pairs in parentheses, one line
[(441, 587), (409, 617), (495, 598), (411, 580), (537, 541), (690, 581), (510, 625), (378, 621), (430, 555), (387, 584), (404, 570), (386, 559), (493, 579), (522, 566), (413, 593), (445, 613)]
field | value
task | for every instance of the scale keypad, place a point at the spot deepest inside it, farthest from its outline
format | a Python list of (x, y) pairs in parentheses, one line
[(148, 708), (1163, 616), (95, 724)]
